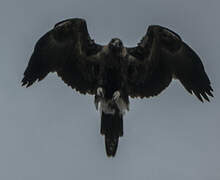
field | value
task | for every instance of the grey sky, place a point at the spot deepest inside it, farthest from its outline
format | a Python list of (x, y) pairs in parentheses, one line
[(50, 132)]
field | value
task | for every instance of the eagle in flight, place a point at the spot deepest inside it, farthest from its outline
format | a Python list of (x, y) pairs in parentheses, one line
[(113, 72)]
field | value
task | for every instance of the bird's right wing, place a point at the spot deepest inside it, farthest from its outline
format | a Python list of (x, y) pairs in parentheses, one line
[(68, 50)]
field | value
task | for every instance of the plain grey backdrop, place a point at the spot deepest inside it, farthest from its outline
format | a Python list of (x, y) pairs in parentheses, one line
[(50, 132)]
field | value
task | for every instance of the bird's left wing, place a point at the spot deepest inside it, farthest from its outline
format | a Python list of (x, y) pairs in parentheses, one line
[(161, 56), (68, 50)]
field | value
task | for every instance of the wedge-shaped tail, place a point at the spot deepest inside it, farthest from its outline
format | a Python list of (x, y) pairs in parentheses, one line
[(112, 129)]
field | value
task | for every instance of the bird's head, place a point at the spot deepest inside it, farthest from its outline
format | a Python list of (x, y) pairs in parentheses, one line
[(116, 45)]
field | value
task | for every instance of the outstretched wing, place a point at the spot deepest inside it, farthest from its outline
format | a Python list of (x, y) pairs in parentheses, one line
[(68, 50), (160, 56)]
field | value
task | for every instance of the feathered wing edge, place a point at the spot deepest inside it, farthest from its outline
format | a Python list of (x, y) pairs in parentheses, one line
[(155, 63), (147, 75), (38, 67), (191, 73), (66, 49)]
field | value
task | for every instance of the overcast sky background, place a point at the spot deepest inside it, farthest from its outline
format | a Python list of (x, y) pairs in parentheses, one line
[(50, 132)]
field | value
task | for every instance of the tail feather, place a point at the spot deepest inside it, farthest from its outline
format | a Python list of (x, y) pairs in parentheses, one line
[(112, 128), (111, 145)]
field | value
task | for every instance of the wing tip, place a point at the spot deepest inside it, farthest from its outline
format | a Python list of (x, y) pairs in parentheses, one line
[(26, 83), (204, 95)]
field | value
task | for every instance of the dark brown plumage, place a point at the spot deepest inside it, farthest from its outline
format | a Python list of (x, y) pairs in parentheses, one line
[(113, 72)]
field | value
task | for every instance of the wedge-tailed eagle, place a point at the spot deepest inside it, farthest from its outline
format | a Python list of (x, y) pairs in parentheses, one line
[(113, 72)]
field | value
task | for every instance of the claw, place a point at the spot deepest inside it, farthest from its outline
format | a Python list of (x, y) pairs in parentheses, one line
[(96, 103), (100, 92), (99, 95), (116, 95)]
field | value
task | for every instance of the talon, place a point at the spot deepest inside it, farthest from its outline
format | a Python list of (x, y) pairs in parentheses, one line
[(96, 103), (116, 95), (100, 92), (96, 106)]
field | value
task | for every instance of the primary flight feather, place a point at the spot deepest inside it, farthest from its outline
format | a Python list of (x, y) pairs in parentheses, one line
[(113, 73)]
